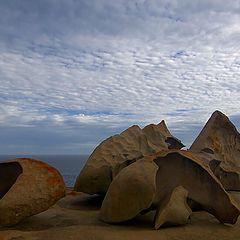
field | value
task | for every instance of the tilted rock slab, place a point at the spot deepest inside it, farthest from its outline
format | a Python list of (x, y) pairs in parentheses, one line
[(131, 192), (173, 210), (146, 184), (219, 144), (119, 151), (27, 187), (179, 167)]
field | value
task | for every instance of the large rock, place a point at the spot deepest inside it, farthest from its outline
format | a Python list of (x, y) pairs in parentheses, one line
[(160, 138), (119, 151), (27, 187), (173, 210), (131, 192), (179, 167), (146, 184), (219, 144)]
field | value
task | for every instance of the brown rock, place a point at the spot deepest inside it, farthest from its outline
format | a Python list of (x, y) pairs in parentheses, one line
[(160, 137), (179, 167), (131, 192), (219, 143), (119, 151), (173, 210), (27, 187)]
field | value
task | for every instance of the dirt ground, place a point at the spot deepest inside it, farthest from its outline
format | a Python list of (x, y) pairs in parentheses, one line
[(76, 217)]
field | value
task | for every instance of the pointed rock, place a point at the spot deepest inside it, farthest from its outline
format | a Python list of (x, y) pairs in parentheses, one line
[(27, 187), (219, 141), (119, 151), (159, 135), (173, 210)]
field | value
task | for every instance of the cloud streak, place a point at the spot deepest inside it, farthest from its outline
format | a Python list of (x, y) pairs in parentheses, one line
[(81, 65)]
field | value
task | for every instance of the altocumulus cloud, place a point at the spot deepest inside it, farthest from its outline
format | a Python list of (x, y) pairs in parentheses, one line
[(74, 72)]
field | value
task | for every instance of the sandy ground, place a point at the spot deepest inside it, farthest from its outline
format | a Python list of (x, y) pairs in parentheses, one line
[(76, 217)]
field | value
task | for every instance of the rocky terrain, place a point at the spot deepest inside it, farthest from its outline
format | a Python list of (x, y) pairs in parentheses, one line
[(135, 184), (77, 217)]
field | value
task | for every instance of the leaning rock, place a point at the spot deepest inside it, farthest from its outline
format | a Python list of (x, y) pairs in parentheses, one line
[(119, 151), (131, 192), (173, 210), (27, 187), (219, 142), (179, 167)]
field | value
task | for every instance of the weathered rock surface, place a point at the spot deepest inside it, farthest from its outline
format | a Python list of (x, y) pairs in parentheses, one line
[(119, 151), (173, 210), (146, 184), (160, 138), (219, 144), (179, 167), (131, 192), (141, 170), (27, 187)]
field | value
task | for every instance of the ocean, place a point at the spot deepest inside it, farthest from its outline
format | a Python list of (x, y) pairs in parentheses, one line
[(68, 165)]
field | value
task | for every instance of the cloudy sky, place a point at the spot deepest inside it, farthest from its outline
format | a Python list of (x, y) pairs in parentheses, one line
[(74, 72)]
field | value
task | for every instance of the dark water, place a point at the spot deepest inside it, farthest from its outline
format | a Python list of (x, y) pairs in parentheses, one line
[(68, 165)]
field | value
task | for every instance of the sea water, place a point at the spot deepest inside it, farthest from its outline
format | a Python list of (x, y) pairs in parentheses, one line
[(68, 165)]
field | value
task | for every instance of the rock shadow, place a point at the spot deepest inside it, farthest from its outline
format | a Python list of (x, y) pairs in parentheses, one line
[(81, 201)]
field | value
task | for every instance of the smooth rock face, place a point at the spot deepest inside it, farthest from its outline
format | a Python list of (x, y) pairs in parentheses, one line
[(119, 151), (219, 141), (146, 184), (179, 167), (27, 187), (131, 192), (173, 210)]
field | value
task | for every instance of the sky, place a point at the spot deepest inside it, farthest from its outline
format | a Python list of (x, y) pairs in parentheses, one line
[(72, 73)]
